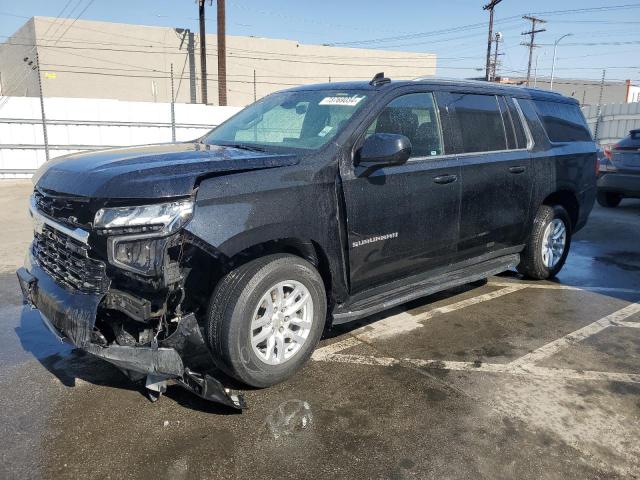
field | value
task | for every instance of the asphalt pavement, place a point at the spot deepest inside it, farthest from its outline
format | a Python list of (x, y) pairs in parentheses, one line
[(498, 380)]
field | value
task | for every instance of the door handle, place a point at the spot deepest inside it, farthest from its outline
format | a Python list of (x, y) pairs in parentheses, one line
[(444, 179), (518, 169)]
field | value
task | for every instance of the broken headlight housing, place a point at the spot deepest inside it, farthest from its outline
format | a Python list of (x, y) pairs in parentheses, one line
[(137, 235)]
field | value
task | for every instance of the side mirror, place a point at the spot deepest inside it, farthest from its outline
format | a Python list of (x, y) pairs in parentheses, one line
[(382, 149)]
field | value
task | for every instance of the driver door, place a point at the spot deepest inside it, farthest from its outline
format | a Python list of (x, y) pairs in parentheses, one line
[(403, 219)]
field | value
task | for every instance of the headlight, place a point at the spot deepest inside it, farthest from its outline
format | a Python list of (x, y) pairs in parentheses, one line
[(136, 242), (165, 218), (138, 254)]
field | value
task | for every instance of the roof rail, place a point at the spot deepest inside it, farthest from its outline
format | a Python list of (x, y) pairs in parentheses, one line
[(448, 79), (379, 79)]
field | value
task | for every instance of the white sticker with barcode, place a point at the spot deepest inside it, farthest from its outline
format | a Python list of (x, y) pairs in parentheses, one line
[(350, 101)]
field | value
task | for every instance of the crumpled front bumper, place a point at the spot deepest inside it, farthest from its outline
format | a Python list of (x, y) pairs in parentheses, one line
[(71, 317)]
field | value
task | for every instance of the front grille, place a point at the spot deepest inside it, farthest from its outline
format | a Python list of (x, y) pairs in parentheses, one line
[(66, 260), (68, 209)]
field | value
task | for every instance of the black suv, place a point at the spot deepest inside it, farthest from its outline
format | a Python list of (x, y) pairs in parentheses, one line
[(315, 205), (620, 171)]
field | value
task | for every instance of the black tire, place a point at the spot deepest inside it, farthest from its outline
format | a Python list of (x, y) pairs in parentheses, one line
[(609, 199), (233, 303), (531, 261)]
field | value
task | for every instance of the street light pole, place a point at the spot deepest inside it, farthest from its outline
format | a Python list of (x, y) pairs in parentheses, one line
[(553, 64)]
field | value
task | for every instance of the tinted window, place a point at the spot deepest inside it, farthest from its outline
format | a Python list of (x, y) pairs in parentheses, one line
[(416, 117), (480, 122), (563, 122)]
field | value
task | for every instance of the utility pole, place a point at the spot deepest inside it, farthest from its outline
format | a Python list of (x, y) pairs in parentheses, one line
[(203, 51), (597, 127), (531, 43), (173, 108), (489, 6), (494, 69), (191, 53), (36, 67), (191, 56), (222, 55)]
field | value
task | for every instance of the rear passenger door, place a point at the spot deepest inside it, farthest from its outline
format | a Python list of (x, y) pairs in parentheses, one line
[(495, 172)]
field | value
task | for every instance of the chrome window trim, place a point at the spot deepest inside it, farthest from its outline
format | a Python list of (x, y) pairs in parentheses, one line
[(527, 133), (466, 154), (77, 233), (525, 124)]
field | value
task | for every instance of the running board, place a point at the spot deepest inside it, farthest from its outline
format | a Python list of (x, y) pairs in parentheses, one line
[(419, 286)]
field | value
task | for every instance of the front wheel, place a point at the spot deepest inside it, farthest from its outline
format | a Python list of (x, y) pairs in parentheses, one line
[(265, 318), (609, 199), (548, 245)]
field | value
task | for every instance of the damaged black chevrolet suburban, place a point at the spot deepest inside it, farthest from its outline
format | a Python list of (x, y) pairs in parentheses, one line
[(314, 206)]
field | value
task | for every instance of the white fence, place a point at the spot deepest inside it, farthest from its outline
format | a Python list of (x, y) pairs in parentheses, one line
[(614, 122), (78, 124)]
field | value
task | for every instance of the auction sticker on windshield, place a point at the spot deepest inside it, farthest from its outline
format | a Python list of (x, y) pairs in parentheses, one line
[(344, 101)]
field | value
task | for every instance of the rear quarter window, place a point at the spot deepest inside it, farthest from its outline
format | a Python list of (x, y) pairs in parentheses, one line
[(563, 122)]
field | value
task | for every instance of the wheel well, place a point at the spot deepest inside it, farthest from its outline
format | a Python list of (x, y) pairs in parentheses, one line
[(568, 201), (307, 249), (208, 267)]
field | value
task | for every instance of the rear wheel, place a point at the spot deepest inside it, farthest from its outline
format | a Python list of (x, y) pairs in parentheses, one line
[(265, 319), (548, 245), (609, 199)]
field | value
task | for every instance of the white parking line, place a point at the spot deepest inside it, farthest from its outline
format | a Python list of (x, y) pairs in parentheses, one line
[(323, 353), (503, 368), (572, 338), (405, 321), (523, 366), (628, 324), (550, 286)]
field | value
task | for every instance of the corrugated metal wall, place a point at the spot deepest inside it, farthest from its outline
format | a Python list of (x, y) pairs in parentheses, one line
[(615, 120), (76, 124)]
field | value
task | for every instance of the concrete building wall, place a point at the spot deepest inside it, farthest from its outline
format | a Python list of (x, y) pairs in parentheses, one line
[(132, 62), (16, 76)]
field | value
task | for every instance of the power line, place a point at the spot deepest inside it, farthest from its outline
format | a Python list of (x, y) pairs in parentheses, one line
[(33, 48), (480, 25), (76, 19)]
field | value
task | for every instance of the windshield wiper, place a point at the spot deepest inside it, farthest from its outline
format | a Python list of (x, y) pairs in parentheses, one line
[(241, 146)]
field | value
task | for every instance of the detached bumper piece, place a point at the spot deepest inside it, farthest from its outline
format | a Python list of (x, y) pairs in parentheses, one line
[(71, 317)]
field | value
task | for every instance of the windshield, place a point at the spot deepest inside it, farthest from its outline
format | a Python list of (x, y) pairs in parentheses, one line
[(301, 119)]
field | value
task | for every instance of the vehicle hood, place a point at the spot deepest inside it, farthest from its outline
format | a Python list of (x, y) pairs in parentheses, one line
[(152, 171)]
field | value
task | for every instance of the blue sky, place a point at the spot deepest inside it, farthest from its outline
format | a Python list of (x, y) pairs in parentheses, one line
[(606, 38)]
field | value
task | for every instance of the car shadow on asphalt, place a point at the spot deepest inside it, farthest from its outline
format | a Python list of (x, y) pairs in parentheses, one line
[(339, 330)]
